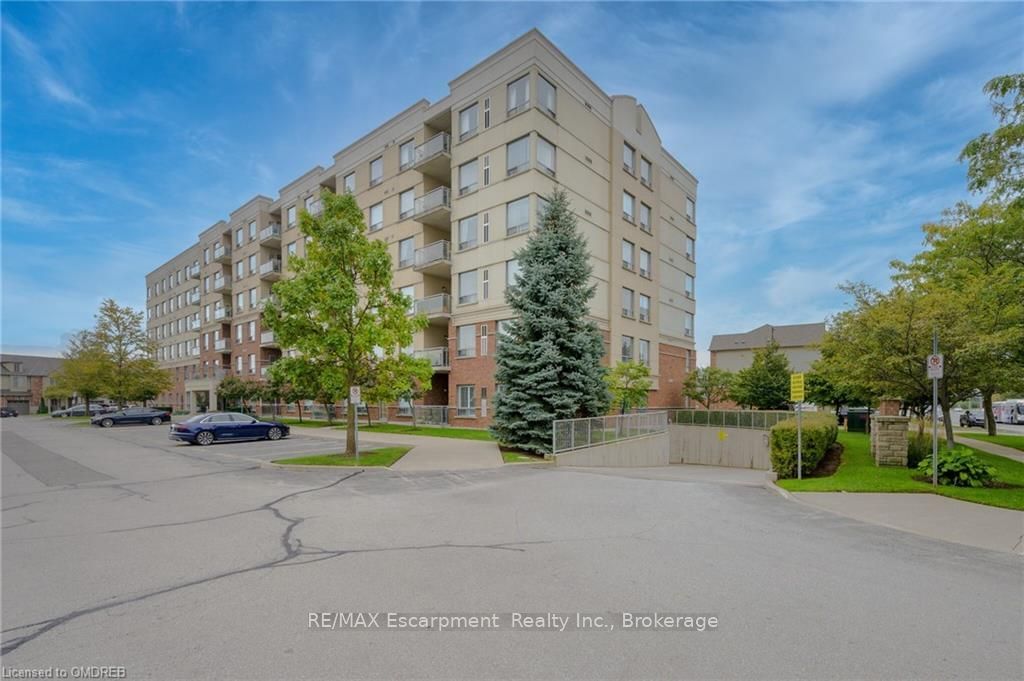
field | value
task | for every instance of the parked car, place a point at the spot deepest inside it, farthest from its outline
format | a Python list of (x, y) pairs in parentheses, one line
[(79, 410), (132, 415), (968, 420), (205, 429), (5, 412)]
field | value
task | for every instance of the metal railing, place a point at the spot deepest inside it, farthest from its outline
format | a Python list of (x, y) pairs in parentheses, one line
[(438, 356), (222, 345), (272, 231), (272, 266), (439, 303), (439, 251), (438, 144), (222, 313), (728, 418), (267, 338), (436, 198), (570, 434)]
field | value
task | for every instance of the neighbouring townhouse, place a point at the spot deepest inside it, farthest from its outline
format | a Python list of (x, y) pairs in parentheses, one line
[(23, 378), (800, 343), (454, 188)]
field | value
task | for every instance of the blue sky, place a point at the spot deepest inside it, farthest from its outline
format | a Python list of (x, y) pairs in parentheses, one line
[(823, 136)]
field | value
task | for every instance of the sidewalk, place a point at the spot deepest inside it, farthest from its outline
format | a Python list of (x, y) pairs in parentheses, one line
[(931, 515), (991, 448), (681, 472), (428, 453)]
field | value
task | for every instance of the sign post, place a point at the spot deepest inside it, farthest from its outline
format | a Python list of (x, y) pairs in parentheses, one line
[(796, 394), (354, 398), (935, 366)]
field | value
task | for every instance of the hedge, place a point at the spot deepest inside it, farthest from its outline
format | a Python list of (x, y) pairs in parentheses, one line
[(819, 433)]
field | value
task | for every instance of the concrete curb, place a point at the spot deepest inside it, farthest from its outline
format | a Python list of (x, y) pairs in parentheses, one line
[(769, 484)]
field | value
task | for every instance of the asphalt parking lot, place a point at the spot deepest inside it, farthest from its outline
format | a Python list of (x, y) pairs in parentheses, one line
[(123, 548)]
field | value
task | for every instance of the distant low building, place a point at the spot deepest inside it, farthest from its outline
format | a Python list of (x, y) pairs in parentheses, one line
[(23, 378), (800, 344)]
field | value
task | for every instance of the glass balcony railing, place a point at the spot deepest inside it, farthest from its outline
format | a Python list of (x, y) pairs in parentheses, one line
[(270, 233), (222, 313), (438, 144), (271, 268), (432, 200), (433, 254), (438, 356), (437, 304)]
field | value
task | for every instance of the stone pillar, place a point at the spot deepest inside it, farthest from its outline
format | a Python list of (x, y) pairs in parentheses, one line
[(889, 440)]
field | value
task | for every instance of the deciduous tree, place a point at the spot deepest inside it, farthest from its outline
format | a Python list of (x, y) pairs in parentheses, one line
[(765, 383), (629, 384), (708, 385)]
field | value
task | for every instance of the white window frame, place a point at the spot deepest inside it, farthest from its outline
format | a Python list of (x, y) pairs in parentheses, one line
[(628, 248), (628, 299), (630, 200), (376, 166), (409, 242), (468, 112), (463, 409), (465, 188), (513, 88), (378, 224), (465, 340), (517, 145), (519, 228), (468, 227), (543, 144), (403, 210), (463, 279)]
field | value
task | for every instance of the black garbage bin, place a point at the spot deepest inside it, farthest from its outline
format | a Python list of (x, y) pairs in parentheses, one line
[(858, 420)]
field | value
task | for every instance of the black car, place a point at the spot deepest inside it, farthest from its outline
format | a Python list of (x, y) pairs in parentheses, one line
[(968, 420), (205, 429), (132, 415), (5, 412)]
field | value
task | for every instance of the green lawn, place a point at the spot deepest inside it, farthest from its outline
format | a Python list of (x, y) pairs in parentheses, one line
[(858, 473), (430, 431), (1014, 441), (305, 423), (385, 456), (509, 455)]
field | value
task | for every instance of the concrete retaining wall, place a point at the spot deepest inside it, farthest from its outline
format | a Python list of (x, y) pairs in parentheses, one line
[(650, 450), (717, 446)]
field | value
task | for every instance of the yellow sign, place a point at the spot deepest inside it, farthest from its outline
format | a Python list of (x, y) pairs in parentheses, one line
[(722, 435), (796, 387)]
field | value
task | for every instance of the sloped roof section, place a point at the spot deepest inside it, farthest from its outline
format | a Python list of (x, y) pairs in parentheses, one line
[(29, 365), (789, 336)]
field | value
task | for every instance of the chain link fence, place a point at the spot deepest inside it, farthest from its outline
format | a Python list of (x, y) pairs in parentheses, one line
[(728, 418), (570, 434)]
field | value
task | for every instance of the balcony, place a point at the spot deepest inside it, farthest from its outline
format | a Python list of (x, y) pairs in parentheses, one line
[(192, 272), (267, 340), (222, 284), (434, 259), (434, 208), (222, 345), (222, 313), (271, 235), (192, 298), (222, 254), (271, 270), (437, 308), (194, 351), (433, 157), (438, 357), (194, 324), (266, 300)]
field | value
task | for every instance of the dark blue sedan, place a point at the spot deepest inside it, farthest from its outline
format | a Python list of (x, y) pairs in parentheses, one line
[(132, 415), (205, 429)]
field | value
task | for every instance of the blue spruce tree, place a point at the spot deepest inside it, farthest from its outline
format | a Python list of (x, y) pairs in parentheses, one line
[(549, 358)]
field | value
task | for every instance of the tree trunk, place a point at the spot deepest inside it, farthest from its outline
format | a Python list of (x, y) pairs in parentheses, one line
[(990, 417), (298, 404), (350, 431)]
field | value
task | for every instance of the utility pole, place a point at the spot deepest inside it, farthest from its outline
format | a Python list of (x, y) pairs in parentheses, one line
[(935, 373)]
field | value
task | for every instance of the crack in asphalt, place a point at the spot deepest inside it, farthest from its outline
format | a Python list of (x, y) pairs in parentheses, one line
[(11, 508), (89, 486)]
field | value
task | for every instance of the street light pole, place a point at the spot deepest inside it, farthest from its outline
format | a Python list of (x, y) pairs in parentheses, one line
[(935, 416)]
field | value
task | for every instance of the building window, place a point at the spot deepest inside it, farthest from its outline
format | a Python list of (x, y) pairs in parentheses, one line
[(691, 248), (252, 230), (517, 155), (688, 323), (406, 251), (239, 269), (512, 272), (292, 248), (376, 171), (467, 287), (252, 264), (252, 364), (239, 302), (518, 94), (239, 236), (627, 254), (291, 216), (517, 216), (627, 302), (487, 112), (376, 216), (467, 177), (484, 338), (546, 155), (467, 232), (628, 158), (206, 256), (238, 333), (645, 263), (486, 228), (691, 209), (410, 293), (406, 203), (688, 286), (643, 352), (465, 341), (254, 297), (546, 95), (350, 183), (645, 171), (487, 169), (308, 204), (238, 364), (467, 122), (542, 209), (406, 154), (645, 308), (645, 217), (466, 406), (627, 348), (627, 206)]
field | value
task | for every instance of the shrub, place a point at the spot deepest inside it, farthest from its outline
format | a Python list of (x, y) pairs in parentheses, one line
[(959, 468), (819, 433), (919, 448), (42, 407)]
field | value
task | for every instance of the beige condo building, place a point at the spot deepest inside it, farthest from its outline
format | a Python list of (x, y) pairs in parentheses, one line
[(454, 188)]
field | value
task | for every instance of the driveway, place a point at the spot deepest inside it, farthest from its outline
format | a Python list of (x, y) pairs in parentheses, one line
[(188, 562)]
